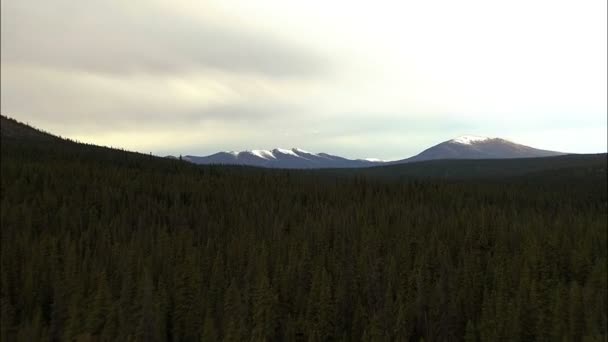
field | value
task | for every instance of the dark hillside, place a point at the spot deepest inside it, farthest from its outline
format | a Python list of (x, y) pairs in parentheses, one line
[(107, 245), (13, 129), (483, 169)]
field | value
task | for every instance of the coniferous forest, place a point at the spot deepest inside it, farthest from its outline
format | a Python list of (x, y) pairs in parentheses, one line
[(106, 245)]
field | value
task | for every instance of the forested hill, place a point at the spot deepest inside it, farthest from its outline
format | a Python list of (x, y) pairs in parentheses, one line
[(102, 244), (13, 129), (592, 167), (19, 138)]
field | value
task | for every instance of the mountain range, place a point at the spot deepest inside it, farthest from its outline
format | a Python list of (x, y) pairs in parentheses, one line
[(467, 158), (463, 147), (294, 158)]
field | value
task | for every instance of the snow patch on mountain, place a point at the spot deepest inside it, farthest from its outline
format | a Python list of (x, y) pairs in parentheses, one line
[(469, 139), (298, 150), (264, 154), (285, 151)]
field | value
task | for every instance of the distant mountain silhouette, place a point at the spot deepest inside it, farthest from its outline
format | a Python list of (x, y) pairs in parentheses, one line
[(464, 147), (476, 147), (448, 160), (281, 158)]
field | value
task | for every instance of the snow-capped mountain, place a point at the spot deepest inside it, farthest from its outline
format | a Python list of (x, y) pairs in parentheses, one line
[(294, 158), (477, 147), (463, 147)]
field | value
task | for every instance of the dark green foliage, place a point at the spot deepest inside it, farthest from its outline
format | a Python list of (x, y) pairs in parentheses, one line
[(99, 244), (580, 168)]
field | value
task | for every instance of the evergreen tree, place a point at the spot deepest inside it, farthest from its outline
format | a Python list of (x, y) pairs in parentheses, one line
[(577, 313), (470, 332), (100, 309), (209, 330), (234, 314), (265, 305)]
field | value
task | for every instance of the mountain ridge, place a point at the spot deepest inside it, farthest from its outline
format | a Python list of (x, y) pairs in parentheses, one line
[(294, 158), (478, 147), (462, 147), (17, 140)]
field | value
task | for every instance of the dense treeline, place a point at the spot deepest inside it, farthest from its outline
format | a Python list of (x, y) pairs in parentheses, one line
[(112, 246)]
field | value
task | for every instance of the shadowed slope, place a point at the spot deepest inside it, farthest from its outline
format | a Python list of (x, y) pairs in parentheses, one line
[(13, 129)]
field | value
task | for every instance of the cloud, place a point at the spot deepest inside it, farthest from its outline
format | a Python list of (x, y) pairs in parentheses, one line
[(77, 102), (111, 37), (361, 79)]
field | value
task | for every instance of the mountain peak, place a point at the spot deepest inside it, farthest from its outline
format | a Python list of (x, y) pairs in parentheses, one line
[(264, 154), (479, 147), (469, 139), (285, 151), (272, 154), (299, 150)]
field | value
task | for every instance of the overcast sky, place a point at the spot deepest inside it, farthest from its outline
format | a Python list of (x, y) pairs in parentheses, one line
[(360, 79)]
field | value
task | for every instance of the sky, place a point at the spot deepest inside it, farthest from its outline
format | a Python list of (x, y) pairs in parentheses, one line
[(383, 79)]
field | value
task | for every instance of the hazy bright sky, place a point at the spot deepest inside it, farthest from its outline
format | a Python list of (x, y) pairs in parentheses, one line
[(360, 79)]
